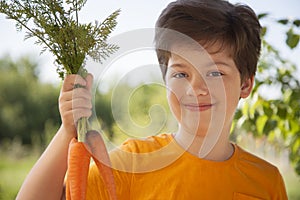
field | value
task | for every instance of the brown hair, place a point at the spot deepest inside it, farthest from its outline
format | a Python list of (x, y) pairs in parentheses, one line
[(236, 27)]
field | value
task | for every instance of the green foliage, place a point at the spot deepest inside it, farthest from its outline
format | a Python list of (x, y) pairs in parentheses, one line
[(292, 38), (277, 117), (262, 15), (140, 111), (104, 113), (56, 27), (28, 107)]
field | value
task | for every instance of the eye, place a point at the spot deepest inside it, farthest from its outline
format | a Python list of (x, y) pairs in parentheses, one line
[(180, 75), (215, 74)]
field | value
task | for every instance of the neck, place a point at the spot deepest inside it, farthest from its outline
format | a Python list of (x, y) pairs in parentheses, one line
[(211, 146)]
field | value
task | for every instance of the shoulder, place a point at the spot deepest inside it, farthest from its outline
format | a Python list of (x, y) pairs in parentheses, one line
[(250, 160), (146, 145), (255, 165), (144, 154), (259, 172)]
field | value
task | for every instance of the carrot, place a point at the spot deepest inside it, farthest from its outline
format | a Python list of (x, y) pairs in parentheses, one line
[(78, 166), (101, 158)]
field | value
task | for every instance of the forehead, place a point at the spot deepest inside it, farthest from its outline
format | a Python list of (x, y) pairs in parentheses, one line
[(198, 55)]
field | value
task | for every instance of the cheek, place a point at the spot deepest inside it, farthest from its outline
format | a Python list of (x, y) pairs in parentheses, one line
[(174, 95), (230, 93), (233, 91)]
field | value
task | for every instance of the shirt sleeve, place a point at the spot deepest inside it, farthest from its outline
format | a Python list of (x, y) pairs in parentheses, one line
[(279, 189)]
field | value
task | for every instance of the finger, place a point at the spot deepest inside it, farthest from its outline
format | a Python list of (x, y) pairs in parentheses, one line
[(72, 80), (81, 103), (75, 104), (80, 113), (81, 93), (71, 117), (75, 93), (89, 81)]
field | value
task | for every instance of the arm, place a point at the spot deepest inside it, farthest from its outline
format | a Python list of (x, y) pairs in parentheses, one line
[(46, 178)]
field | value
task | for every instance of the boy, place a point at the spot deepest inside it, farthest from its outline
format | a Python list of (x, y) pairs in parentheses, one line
[(208, 52)]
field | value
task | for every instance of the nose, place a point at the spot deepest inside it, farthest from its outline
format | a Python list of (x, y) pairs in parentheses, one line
[(197, 86)]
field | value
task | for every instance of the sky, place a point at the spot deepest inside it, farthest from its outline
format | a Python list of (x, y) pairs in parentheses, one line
[(136, 14)]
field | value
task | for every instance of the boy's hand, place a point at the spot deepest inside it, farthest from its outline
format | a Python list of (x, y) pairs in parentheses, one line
[(75, 103)]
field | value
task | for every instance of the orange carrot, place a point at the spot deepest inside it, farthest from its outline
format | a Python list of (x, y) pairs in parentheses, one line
[(78, 166), (101, 158)]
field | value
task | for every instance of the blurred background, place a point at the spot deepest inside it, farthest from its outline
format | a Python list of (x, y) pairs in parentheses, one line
[(267, 123)]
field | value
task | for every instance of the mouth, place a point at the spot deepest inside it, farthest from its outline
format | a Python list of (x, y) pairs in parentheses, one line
[(198, 107)]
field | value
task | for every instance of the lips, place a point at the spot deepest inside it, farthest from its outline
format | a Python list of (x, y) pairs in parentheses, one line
[(198, 107)]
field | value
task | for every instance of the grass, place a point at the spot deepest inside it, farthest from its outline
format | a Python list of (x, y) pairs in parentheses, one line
[(12, 173), (15, 163)]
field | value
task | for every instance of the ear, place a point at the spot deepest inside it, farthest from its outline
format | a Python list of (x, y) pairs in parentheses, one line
[(246, 87)]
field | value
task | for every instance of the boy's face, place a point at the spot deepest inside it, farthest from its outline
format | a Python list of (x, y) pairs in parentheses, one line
[(204, 88)]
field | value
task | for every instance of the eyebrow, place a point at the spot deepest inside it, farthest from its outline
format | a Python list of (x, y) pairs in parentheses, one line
[(178, 65), (220, 63), (181, 65)]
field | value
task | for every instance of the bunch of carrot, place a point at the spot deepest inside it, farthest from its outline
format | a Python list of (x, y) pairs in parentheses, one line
[(79, 157)]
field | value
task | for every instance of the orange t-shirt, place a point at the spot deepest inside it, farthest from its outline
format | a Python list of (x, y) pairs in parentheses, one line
[(158, 168)]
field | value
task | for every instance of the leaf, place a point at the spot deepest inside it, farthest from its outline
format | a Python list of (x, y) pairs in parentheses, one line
[(269, 126), (247, 126), (297, 167), (262, 15), (292, 39), (245, 109), (296, 22), (59, 31), (238, 114), (283, 21), (260, 123), (282, 111), (267, 110), (294, 126), (263, 31)]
